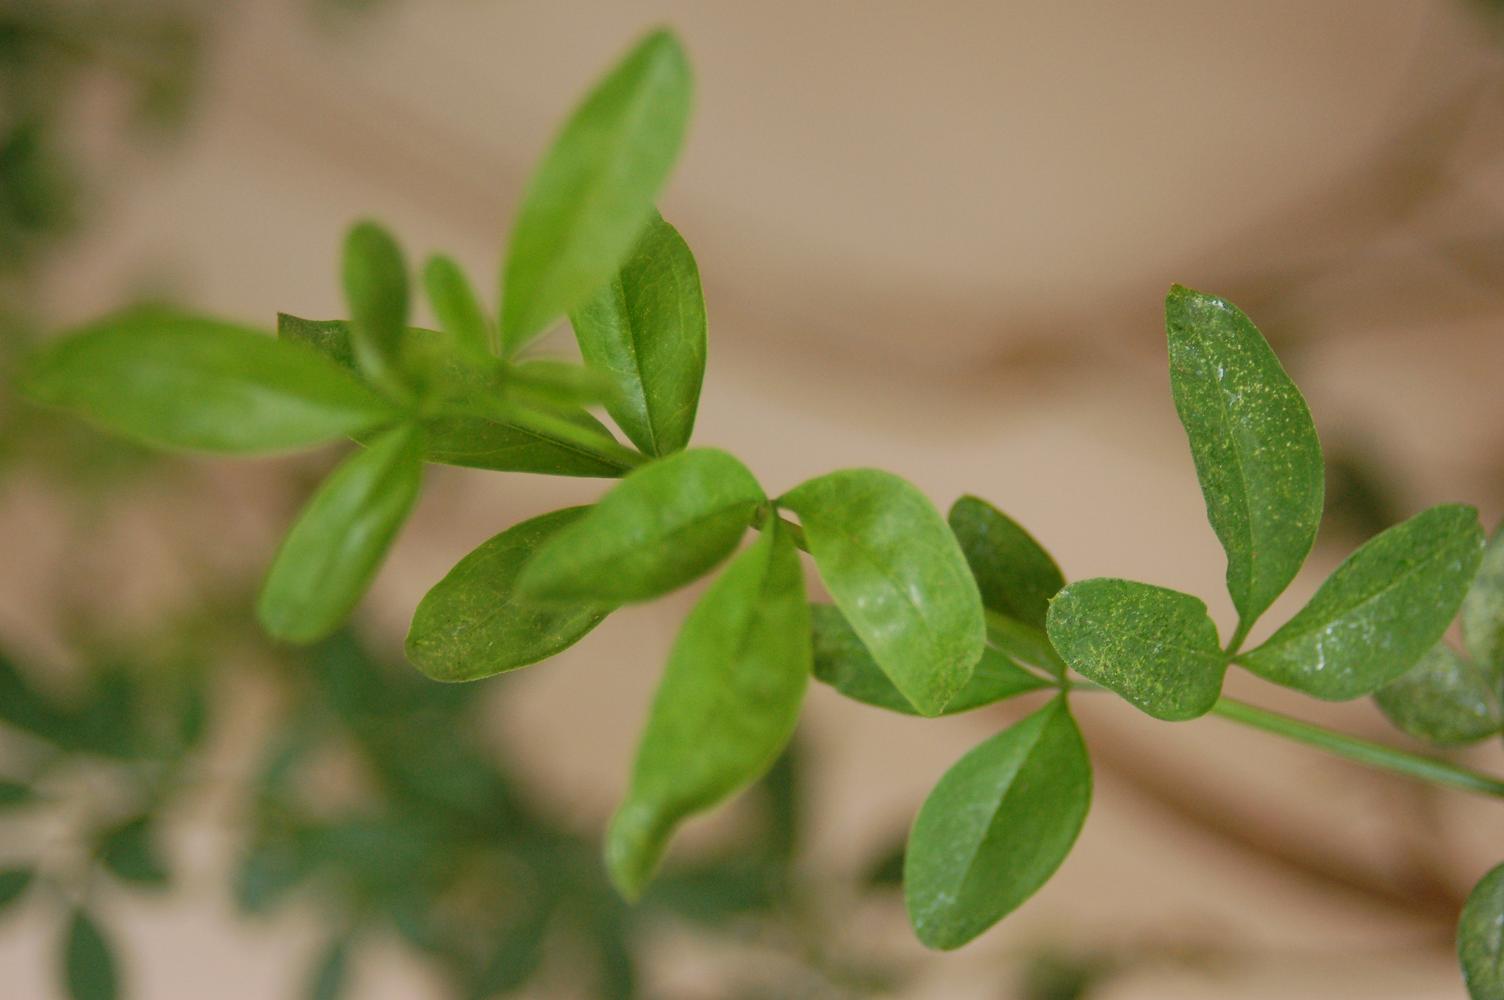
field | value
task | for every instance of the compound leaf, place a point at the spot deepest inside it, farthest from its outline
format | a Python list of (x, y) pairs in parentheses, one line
[(594, 192), (474, 623), (340, 538), (1155, 647), (1015, 575), (646, 329), (662, 526), (1378, 614), (898, 575), (1254, 444), (1444, 699), (726, 707), (1480, 938), (996, 827)]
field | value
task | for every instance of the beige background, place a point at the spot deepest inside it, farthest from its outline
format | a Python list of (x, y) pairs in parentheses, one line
[(934, 238)]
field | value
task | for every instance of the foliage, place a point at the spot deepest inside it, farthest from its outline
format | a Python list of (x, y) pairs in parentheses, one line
[(918, 600)]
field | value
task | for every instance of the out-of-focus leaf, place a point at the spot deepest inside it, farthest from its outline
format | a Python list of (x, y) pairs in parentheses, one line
[(129, 853), (1375, 617), (1444, 699), (331, 972), (88, 961), (594, 191), (898, 575), (1254, 444), (845, 664), (726, 707), (1480, 938), (646, 329), (1483, 608), (474, 623), (455, 304), (15, 793), (662, 526), (1014, 573), (333, 550), (376, 290), (13, 884)]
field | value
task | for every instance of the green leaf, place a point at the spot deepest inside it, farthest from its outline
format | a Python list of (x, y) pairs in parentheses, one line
[(1480, 938), (897, 573), (15, 793), (1254, 444), (996, 827), (88, 962), (1444, 699), (1015, 574), (332, 971), (13, 884), (594, 192), (376, 290), (1375, 617), (1483, 608), (340, 538), (1024, 643), (646, 329), (184, 382), (845, 664), (725, 708), (129, 853), (456, 305), (662, 526), (474, 623), (1155, 647)]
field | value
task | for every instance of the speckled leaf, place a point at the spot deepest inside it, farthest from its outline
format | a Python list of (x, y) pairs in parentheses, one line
[(594, 192), (1483, 608), (376, 291), (1253, 441), (1155, 647), (844, 663), (181, 381), (88, 962), (996, 827), (1015, 574), (725, 708), (474, 623), (1375, 617), (662, 526), (898, 575), (1444, 699), (1480, 938), (340, 538), (456, 305), (646, 329)]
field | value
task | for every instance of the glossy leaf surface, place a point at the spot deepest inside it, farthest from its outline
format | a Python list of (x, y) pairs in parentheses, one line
[(474, 623), (183, 382), (662, 526), (1483, 608), (1014, 573), (1480, 938), (845, 664), (1444, 699), (456, 305), (898, 575), (376, 290), (340, 538), (646, 329), (1378, 614), (996, 827), (593, 194), (88, 962), (1253, 441), (1155, 647), (725, 708)]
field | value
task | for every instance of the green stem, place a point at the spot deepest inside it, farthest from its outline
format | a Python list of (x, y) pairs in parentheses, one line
[(1437, 772)]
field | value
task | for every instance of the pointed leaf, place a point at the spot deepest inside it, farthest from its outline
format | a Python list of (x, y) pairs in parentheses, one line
[(1375, 617), (1155, 647), (1444, 699), (662, 526), (1483, 608), (130, 854), (340, 538), (845, 664), (646, 329), (726, 707), (13, 884), (376, 290), (474, 623), (1254, 444), (897, 573), (996, 827), (88, 961), (331, 973), (1015, 574), (594, 192), (455, 304), (184, 382), (1480, 938)]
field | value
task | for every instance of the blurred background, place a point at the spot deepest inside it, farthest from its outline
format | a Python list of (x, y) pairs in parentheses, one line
[(935, 238)]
